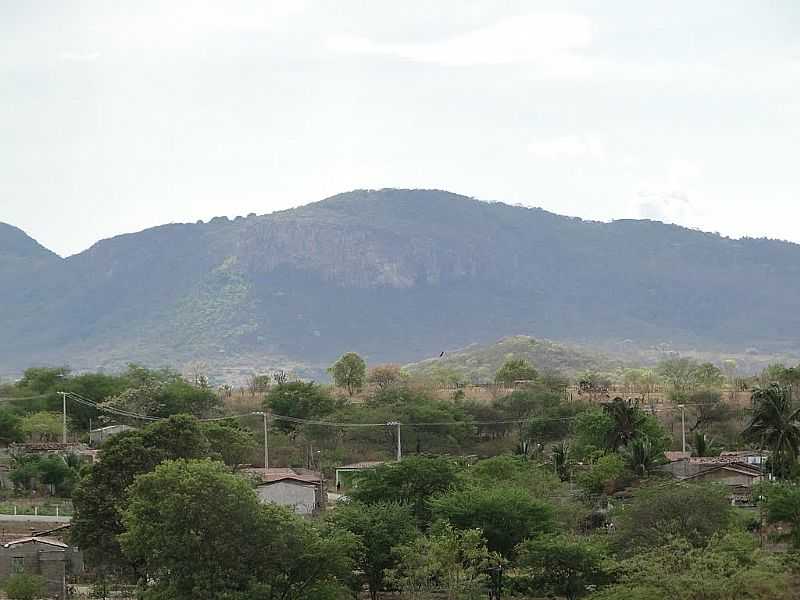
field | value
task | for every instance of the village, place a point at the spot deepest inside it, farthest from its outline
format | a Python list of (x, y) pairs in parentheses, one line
[(602, 444)]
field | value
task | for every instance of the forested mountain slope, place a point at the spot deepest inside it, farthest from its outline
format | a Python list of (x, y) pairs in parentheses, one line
[(392, 274)]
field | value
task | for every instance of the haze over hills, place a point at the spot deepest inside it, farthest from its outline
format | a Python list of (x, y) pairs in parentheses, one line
[(395, 275)]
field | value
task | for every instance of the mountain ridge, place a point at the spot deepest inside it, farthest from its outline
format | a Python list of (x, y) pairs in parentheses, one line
[(394, 274)]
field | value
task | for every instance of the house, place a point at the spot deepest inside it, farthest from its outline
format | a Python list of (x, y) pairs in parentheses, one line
[(731, 470), (43, 556), (97, 436), (344, 474), (302, 490)]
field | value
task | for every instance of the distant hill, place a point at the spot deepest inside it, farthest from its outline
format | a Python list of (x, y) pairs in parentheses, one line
[(394, 275), (478, 363)]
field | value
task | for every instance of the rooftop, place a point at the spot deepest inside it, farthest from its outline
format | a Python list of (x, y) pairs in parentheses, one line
[(274, 474)]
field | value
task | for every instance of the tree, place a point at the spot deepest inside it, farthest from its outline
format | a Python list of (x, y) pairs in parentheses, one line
[(708, 376), (708, 408), (454, 562), (642, 456), (162, 393), (730, 566), (10, 427), (515, 369), (258, 384), (25, 587), (774, 426), (412, 481), (562, 565), (42, 426), (379, 528), (694, 512), (102, 493), (782, 504), (678, 373), (562, 465), (383, 376), (626, 422), (232, 444), (349, 372), (505, 515), (604, 475), (299, 400), (533, 405), (199, 531)]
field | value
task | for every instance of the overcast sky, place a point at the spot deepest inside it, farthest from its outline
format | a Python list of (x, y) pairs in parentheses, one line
[(117, 116)]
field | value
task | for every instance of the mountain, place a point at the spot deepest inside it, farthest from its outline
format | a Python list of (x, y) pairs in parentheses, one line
[(480, 362), (394, 275)]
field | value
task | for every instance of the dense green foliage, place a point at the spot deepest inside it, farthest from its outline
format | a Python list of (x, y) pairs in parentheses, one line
[(198, 531)]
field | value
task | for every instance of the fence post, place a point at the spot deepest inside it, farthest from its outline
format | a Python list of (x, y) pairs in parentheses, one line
[(56, 511), (15, 510), (35, 511)]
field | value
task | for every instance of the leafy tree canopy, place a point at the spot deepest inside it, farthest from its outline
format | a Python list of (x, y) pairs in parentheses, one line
[(506, 515), (412, 481), (349, 372), (515, 369)]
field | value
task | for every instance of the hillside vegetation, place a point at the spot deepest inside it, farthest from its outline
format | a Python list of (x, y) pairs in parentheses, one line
[(479, 363), (391, 274)]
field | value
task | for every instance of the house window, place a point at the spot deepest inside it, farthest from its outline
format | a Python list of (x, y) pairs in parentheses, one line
[(17, 564)]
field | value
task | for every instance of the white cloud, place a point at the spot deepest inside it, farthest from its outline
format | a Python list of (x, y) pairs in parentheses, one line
[(79, 56), (568, 147), (519, 39)]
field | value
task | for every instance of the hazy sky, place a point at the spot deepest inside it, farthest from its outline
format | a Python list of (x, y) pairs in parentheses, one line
[(116, 116)]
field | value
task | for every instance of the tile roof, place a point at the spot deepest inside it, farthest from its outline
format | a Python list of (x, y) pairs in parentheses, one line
[(280, 474), (367, 464)]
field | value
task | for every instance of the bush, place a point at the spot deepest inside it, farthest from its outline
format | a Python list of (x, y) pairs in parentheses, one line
[(25, 587)]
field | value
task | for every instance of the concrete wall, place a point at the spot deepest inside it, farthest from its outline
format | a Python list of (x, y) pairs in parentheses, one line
[(51, 562), (302, 498)]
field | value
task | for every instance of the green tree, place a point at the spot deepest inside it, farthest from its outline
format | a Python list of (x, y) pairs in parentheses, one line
[(412, 481), (782, 504), (604, 476), (642, 456), (162, 393), (626, 422), (229, 442), (102, 493), (453, 562), (200, 532), (349, 372), (562, 565), (505, 515), (708, 408), (299, 400), (694, 512), (379, 528), (25, 587), (515, 369), (10, 427), (775, 426), (703, 445), (42, 426)]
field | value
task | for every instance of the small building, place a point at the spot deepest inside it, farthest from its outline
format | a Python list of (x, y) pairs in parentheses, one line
[(345, 473), (302, 490), (43, 556), (97, 436), (731, 470)]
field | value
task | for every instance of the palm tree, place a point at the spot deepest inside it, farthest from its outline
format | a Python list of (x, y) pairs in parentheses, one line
[(626, 418), (642, 457), (774, 426)]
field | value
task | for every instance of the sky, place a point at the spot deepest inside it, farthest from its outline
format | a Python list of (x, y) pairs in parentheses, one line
[(118, 116)]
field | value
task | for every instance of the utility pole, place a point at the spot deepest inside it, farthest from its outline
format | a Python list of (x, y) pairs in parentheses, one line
[(266, 440), (64, 417), (683, 425), (399, 444)]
